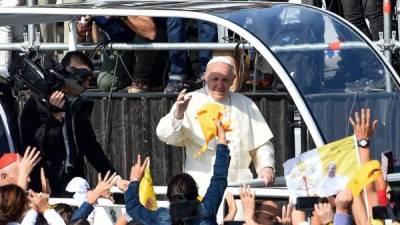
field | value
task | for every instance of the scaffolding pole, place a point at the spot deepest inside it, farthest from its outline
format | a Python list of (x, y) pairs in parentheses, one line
[(31, 27), (388, 45), (184, 46)]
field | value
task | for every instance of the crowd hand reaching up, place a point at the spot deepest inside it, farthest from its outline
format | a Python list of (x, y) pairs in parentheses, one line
[(298, 217), (363, 129), (220, 132), (343, 201), (122, 184), (324, 212), (38, 201), (232, 209), (57, 99), (137, 170), (181, 104), (247, 197), (286, 218), (44, 182), (362, 126), (26, 164), (102, 189)]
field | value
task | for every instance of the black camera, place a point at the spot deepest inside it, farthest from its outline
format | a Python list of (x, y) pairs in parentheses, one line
[(41, 74), (306, 204), (386, 213)]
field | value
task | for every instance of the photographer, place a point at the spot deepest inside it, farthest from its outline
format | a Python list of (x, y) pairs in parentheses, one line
[(61, 129)]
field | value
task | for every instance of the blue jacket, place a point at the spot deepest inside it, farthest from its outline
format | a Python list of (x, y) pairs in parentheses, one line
[(82, 212), (208, 207)]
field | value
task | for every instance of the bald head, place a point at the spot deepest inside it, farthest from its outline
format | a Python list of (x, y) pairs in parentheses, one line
[(9, 174)]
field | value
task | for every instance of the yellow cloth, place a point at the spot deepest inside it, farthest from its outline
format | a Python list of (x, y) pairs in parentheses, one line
[(147, 196), (364, 175), (207, 115), (376, 222)]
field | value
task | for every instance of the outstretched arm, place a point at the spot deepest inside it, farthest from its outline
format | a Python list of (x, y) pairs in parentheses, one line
[(169, 129), (215, 191), (363, 130), (132, 203)]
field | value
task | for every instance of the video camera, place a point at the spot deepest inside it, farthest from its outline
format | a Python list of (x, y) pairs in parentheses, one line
[(306, 204), (41, 74)]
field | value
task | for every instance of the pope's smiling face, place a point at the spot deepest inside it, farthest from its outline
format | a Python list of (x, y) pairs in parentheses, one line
[(219, 77)]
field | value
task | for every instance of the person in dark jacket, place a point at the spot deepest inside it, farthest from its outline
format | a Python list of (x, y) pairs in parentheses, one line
[(182, 193), (61, 129)]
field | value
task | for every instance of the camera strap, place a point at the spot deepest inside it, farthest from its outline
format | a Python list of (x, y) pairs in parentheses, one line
[(70, 142)]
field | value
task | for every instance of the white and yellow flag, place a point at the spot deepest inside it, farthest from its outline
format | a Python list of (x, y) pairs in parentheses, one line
[(323, 171), (147, 195)]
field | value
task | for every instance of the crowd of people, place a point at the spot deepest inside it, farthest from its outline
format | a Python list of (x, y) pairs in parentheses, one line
[(28, 180)]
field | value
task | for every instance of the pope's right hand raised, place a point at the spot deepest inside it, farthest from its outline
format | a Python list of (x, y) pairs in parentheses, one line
[(182, 103)]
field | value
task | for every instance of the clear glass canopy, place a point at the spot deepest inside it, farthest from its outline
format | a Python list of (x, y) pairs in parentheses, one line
[(334, 68)]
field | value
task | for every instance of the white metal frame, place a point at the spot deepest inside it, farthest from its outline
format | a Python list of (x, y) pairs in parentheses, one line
[(258, 45)]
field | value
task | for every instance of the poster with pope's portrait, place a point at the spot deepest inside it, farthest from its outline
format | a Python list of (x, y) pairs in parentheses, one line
[(323, 171)]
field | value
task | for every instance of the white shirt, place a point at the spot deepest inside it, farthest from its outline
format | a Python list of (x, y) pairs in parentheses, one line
[(249, 132), (51, 216)]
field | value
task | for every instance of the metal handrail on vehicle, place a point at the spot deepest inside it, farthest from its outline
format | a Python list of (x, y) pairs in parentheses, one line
[(278, 193), (184, 46)]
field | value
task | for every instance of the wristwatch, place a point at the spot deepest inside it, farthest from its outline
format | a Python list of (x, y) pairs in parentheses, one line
[(363, 143)]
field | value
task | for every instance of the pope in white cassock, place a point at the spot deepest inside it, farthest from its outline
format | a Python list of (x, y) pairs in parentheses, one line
[(248, 140)]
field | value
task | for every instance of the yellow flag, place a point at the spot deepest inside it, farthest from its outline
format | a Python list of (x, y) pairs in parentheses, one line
[(364, 175), (147, 196)]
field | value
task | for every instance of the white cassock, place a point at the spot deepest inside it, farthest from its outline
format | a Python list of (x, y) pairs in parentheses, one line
[(249, 132)]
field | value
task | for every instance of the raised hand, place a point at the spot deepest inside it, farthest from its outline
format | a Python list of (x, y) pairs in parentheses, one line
[(38, 201), (324, 212), (44, 182), (286, 218), (122, 184), (137, 170), (26, 164), (362, 126), (181, 104), (247, 197), (103, 187), (232, 209), (220, 132), (343, 201), (57, 99)]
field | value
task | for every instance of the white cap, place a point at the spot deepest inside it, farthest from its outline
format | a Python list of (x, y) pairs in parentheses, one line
[(77, 184), (220, 59)]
